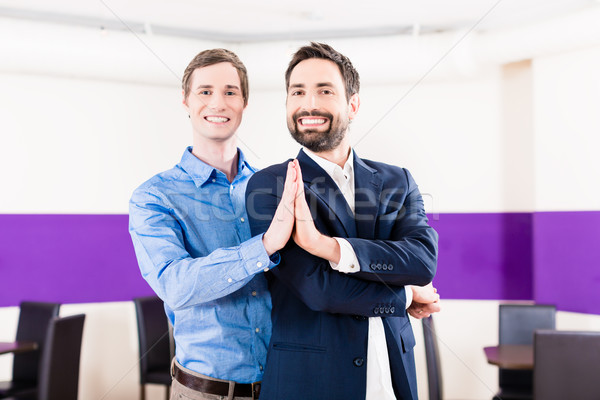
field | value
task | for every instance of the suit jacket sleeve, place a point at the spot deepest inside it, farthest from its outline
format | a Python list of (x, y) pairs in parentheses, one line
[(408, 254), (311, 278)]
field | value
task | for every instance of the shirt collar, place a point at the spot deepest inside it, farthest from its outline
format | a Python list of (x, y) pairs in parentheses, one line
[(201, 172), (331, 167)]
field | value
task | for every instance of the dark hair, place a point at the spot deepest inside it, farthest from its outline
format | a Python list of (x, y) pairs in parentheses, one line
[(215, 56), (320, 50)]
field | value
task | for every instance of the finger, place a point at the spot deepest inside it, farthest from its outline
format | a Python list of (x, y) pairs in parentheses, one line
[(299, 176), (432, 308), (289, 192)]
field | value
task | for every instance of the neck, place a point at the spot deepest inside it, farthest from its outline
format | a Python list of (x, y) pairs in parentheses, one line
[(339, 155), (221, 155)]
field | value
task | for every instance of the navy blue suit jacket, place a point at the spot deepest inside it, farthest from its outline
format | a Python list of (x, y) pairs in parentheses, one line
[(318, 349)]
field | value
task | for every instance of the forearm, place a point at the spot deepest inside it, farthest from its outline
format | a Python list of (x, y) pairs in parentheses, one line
[(183, 281), (321, 288), (397, 262)]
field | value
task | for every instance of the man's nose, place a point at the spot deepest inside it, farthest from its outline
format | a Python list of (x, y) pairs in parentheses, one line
[(310, 102), (216, 102)]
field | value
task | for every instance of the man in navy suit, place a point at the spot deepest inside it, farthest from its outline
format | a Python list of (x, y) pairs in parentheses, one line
[(340, 321)]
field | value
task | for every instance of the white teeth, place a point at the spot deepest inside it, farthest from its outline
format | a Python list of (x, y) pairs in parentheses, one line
[(217, 119), (312, 121)]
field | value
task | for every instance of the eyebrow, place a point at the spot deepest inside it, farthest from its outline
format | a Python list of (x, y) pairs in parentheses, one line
[(320, 84), (211, 86)]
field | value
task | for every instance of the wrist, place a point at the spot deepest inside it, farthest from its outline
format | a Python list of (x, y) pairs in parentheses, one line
[(269, 248), (327, 248)]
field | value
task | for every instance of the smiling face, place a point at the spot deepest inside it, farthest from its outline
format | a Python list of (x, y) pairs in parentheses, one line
[(318, 112), (215, 102)]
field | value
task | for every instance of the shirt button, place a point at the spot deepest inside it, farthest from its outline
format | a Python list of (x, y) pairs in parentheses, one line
[(214, 180), (259, 264), (242, 219), (351, 266), (229, 280), (266, 269), (260, 367), (257, 330), (254, 293), (358, 361)]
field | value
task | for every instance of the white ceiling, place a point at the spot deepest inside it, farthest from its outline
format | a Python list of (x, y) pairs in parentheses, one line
[(262, 20)]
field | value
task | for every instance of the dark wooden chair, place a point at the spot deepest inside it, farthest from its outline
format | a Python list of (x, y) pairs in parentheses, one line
[(34, 320), (154, 343), (432, 356), (517, 324), (567, 365), (59, 364)]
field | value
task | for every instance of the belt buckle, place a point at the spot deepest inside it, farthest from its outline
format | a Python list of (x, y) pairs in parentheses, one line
[(255, 390)]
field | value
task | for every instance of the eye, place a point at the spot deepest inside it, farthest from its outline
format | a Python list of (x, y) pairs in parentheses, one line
[(205, 92), (230, 93), (327, 91), (296, 93)]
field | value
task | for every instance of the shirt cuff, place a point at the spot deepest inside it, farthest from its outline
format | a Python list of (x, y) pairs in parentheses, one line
[(255, 257), (348, 261), (409, 295)]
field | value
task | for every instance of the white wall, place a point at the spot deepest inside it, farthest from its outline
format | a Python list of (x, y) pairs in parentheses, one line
[(567, 130)]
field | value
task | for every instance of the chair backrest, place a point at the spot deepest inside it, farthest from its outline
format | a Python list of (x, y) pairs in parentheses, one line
[(34, 318), (432, 356), (153, 335), (518, 322), (567, 365), (59, 370)]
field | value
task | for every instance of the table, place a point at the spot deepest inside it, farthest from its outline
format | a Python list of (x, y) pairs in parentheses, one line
[(510, 356), (17, 347)]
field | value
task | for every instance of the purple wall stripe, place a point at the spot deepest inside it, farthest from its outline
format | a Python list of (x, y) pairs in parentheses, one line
[(550, 257), (567, 260), (67, 258), (484, 256)]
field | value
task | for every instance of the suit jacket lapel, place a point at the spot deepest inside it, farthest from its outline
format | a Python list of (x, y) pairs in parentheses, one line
[(367, 196), (320, 184)]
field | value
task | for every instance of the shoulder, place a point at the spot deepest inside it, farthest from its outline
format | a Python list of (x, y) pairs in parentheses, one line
[(163, 183), (390, 174)]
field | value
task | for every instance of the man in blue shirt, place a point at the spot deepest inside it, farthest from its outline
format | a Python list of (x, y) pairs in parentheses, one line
[(192, 240)]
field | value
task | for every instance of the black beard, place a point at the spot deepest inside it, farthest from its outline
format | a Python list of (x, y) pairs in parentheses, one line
[(317, 141)]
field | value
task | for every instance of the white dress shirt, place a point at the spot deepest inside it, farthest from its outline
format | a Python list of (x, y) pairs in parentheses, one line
[(379, 377)]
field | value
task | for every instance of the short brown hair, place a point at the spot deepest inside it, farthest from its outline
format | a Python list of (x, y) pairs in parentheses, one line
[(320, 50), (215, 56)]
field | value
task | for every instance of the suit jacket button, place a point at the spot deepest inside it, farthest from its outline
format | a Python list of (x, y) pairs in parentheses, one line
[(390, 267), (381, 310), (358, 361), (373, 266), (387, 310), (376, 310), (378, 266), (392, 309), (385, 267)]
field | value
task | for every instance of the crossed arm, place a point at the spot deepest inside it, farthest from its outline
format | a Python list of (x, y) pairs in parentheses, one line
[(305, 268)]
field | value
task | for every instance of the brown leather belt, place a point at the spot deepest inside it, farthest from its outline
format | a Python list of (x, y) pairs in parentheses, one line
[(214, 387)]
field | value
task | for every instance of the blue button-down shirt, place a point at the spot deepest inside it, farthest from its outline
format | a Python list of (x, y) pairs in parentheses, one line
[(192, 240)]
